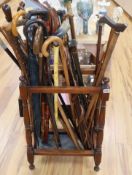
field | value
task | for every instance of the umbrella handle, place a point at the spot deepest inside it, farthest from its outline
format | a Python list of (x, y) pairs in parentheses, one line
[(15, 20)]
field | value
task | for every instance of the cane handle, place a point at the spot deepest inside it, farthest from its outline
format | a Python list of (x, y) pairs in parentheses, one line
[(48, 42), (15, 20)]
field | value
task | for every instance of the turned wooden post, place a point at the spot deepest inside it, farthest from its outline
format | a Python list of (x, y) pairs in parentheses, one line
[(28, 128), (99, 124)]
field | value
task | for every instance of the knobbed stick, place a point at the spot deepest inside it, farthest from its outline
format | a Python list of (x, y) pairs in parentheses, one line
[(7, 11)]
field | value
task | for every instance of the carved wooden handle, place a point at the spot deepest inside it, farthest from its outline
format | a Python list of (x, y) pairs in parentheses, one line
[(15, 20), (118, 27), (7, 11)]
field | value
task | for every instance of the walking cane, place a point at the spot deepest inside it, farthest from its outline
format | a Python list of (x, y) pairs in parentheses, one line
[(67, 4), (46, 44), (3, 45), (74, 54), (56, 77), (116, 28)]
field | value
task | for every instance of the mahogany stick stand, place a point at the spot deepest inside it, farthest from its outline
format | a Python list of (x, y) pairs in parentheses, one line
[(98, 123)]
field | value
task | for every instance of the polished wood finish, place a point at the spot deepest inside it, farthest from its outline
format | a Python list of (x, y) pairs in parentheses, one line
[(27, 122), (117, 140), (55, 152), (77, 90), (26, 92)]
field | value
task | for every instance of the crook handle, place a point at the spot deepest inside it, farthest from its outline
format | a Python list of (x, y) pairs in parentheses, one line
[(15, 20), (48, 42)]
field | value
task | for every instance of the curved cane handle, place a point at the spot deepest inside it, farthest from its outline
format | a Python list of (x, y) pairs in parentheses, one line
[(48, 42), (118, 27), (15, 20)]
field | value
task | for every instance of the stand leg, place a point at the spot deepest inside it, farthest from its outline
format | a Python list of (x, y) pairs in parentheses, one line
[(97, 159), (28, 129), (99, 127), (30, 157)]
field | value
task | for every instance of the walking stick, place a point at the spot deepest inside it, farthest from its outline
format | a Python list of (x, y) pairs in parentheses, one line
[(74, 54), (115, 31), (59, 41), (69, 10), (3, 45), (56, 77)]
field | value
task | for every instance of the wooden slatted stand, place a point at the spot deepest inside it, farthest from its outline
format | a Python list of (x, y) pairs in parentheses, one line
[(97, 127)]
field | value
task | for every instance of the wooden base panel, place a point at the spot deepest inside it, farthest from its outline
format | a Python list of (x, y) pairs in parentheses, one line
[(55, 152)]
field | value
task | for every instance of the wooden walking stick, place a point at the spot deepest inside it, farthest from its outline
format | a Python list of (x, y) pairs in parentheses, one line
[(6, 49), (69, 10), (37, 45), (115, 31), (56, 77), (46, 54), (74, 54), (15, 32), (100, 27)]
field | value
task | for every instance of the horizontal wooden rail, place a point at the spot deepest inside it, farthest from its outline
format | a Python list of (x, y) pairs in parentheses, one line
[(85, 69), (61, 152), (70, 89)]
